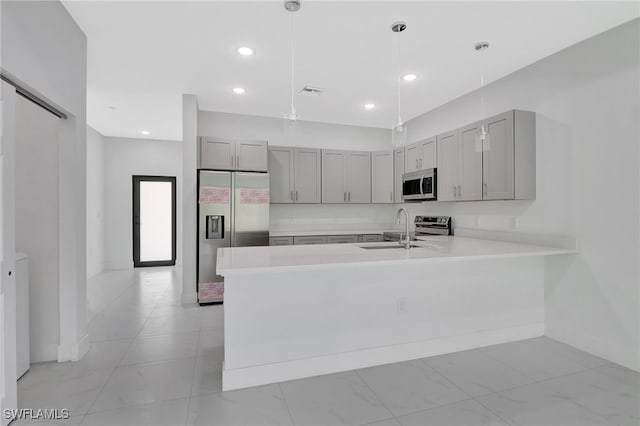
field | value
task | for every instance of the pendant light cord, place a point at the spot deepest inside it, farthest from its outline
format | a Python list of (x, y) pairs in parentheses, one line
[(293, 108), (398, 81), (482, 88)]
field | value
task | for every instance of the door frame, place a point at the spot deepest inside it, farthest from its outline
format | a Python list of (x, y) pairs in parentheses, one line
[(135, 220)]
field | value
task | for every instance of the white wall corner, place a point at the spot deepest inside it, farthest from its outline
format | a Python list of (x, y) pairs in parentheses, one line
[(189, 182)]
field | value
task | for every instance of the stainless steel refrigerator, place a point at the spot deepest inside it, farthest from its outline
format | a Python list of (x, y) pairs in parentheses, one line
[(233, 211)]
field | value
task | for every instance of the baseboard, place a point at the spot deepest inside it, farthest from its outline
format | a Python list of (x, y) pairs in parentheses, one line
[(334, 363), (80, 349), (189, 297), (597, 347), (43, 353)]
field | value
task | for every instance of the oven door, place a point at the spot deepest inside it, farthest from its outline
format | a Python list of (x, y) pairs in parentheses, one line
[(412, 186)]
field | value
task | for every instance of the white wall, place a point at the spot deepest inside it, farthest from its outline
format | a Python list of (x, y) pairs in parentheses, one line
[(44, 50), (124, 158), (586, 100), (189, 188), (95, 202), (310, 134)]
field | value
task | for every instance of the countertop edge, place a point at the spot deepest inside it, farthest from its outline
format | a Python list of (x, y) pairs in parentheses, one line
[(455, 258)]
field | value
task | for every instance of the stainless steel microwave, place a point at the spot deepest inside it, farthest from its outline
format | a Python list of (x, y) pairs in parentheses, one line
[(419, 186)]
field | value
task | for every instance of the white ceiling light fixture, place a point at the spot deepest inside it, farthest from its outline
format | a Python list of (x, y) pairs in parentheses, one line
[(245, 51), (410, 77), (145, 132), (399, 131), (369, 106), (291, 117), (482, 137), (239, 90)]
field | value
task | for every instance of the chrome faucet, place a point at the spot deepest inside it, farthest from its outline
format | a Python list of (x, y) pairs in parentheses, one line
[(407, 242)]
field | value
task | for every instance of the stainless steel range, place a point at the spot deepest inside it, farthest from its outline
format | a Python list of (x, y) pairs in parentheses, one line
[(433, 225)]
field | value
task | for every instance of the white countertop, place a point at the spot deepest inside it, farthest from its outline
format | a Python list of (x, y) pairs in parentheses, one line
[(432, 249)]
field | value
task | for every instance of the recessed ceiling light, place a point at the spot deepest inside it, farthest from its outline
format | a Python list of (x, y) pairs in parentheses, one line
[(238, 90), (245, 51), (410, 77), (112, 107), (145, 132), (369, 106)]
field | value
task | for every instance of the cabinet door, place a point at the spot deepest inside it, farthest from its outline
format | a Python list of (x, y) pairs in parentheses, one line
[(342, 239), (398, 171), (382, 177), (447, 172), (428, 158), (498, 158), (469, 164), (334, 176), (218, 154), (280, 241), (251, 156), (315, 239), (411, 158), (359, 177), (307, 175), (370, 238), (281, 173)]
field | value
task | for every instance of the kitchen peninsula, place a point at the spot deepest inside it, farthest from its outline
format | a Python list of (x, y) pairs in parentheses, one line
[(300, 311)]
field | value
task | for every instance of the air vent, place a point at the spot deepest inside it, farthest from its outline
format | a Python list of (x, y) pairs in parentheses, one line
[(311, 91)]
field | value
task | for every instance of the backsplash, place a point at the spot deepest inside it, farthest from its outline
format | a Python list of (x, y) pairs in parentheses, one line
[(332, 216)]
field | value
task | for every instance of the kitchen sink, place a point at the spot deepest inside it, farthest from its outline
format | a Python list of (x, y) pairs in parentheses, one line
[(386, 246)]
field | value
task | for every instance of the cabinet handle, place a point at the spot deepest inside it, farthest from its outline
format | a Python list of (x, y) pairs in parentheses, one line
[(420, 161), (349, 196), (484, 186), (291, 195), (391, 196), (417, 163), (344, 196), (459, 190), (296, 195), (455, 192)]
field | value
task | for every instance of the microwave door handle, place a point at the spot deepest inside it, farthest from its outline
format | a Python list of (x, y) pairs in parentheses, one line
[(421, 180)]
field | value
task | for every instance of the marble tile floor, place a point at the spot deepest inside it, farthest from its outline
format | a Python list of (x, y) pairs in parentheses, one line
[(154, 361)]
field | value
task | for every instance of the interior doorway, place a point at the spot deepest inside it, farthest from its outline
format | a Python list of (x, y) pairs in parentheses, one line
[(154, 221)]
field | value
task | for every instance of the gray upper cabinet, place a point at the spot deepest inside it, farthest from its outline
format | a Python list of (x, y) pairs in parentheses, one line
[(504, 168), (382, 177), (229, 154), (359, 177), (469, 164), (281, 174), (412, 158), (421, 155), (398, 171), (346, 176), (217, 153), (334, 176), (307, 175), (448, 166), (251, 156), (294, 175), (498, 159), (428, 157)]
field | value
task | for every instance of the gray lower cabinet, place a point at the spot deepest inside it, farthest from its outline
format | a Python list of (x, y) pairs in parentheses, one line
[(370, 238), (280, 241), (310, 239), (342, 239)]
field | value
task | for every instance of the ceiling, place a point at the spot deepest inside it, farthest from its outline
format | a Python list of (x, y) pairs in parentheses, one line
[(142, 56)]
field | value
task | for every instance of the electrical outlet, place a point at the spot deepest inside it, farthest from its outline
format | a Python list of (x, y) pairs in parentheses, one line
[(401, 306)]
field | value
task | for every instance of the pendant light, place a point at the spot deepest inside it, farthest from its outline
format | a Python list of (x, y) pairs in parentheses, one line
[(291, 124), (399, 131), (482, 137)]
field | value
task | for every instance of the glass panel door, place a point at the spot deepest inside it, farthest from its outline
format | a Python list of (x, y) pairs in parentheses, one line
[(154, 223)]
